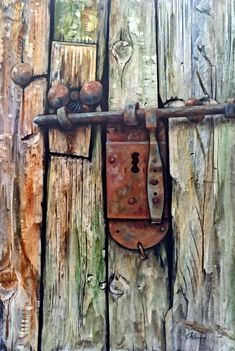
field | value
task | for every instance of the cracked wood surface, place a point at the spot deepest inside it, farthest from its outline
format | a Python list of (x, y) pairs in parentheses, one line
[(74, 279), (196, 58), (21, 172), (138, 290), (74, 311)]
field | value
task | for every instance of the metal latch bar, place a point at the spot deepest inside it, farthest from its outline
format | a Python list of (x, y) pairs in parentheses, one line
[(51, 120)]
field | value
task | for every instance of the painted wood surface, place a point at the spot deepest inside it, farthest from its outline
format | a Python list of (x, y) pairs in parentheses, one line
[(21, 173), (76, 21), (74, 309), (72, 65), (196, 59), (139, 295)]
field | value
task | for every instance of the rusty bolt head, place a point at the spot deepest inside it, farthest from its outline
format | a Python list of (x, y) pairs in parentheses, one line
[(154, 181), (194, 102), (111, 159), (22, 74), (131, 201), (58, 95), (156, 200), (91, 93)]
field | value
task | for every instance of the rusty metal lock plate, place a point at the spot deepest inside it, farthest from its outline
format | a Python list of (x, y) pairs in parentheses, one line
[(127, 156)]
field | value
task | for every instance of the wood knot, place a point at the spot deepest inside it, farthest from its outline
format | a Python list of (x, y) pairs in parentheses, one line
[(122, 52), (8, 284)]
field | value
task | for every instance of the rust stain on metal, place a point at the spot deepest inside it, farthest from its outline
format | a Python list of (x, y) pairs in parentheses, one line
[(130, 233), (127, 173), (135, 177)]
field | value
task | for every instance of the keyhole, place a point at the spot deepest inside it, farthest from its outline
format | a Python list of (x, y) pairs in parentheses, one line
[(135, 161)]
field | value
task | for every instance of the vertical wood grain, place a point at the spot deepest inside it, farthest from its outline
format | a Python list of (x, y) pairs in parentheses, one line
[(139, 296), (74, 280), (21, 173), (196, 59), (74, 313), (72, 65)]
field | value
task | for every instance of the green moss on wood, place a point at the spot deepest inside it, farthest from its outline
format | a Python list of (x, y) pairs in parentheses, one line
[(76, 21)]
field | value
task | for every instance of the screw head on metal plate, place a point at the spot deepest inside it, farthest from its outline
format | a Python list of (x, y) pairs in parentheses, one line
[(91, 93), (22, 74)]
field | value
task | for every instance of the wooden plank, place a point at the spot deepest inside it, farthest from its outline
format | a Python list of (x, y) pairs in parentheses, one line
[(196, 58), (76, 21), (21, 176), (139, 297), (37, 17), (34, 100), (74, 302), (72, 65), (74, 295)]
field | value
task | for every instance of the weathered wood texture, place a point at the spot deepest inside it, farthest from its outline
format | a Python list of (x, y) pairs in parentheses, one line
[(72, 64), (21, 173), (139, 297), (74, 298), (74, 280), (196, 58), (76, 21)]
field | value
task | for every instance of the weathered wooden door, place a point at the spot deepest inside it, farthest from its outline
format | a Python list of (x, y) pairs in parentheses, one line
[(64, 284)]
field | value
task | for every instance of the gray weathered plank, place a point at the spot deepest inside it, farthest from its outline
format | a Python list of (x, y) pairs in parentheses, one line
[(139, 296), (196, 58), (21, 173), (74, 298)]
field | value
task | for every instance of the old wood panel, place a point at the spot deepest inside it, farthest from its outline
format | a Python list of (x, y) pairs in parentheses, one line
[(139, 296), (74, 22), (21, 175), (74, 297), (196, 58), (72, 64), (74, 281)]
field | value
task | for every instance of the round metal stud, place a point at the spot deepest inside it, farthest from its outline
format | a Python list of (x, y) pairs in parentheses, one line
[(22, 74), (58, 95), (91, 93)]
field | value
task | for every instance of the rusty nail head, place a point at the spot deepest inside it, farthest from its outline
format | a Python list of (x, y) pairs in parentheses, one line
[(22, 74), (112, 159), (162, 229), (91, 93), (58, 95), (156, 200), (154, 181), (131, 201)]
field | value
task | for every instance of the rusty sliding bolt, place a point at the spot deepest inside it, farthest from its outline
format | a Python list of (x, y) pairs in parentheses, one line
[(118, 116)]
